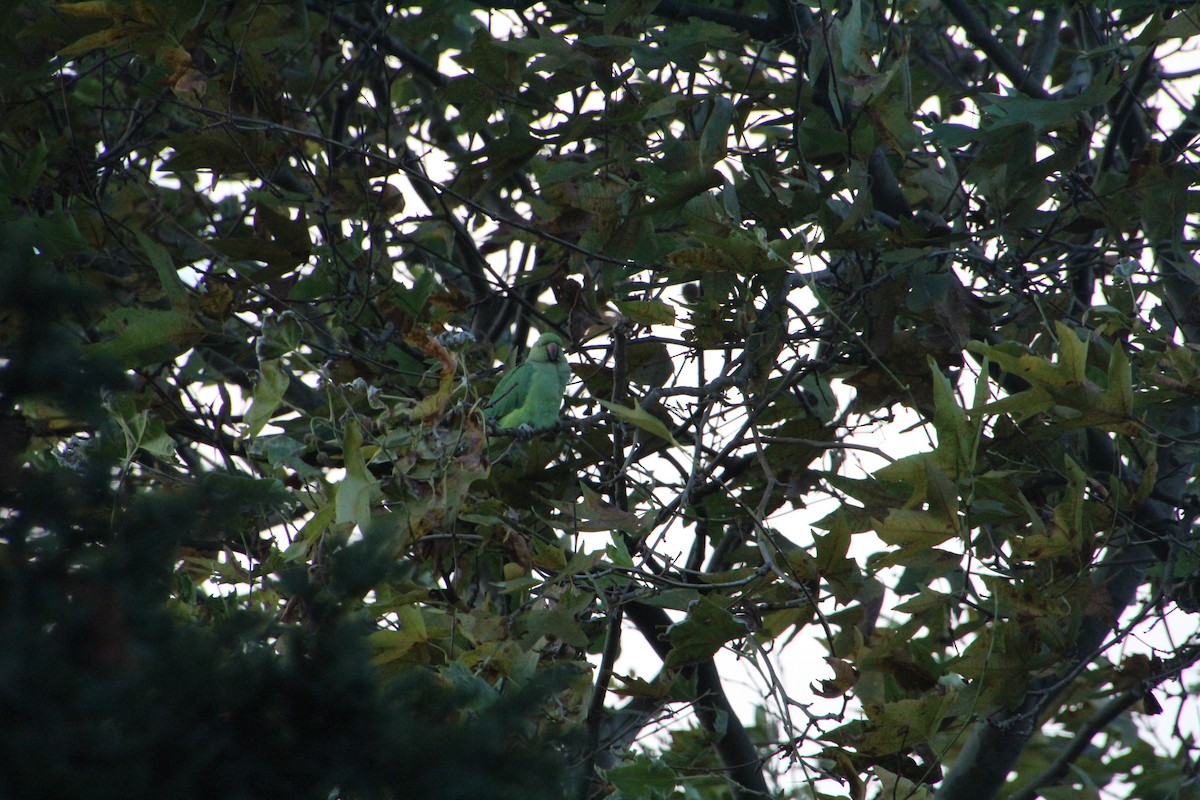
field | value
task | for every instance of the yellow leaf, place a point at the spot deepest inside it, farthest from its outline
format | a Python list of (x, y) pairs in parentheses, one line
[(356, 491), (95, 9), (844, 678), (101, 39), (647, 312), (909, 527)]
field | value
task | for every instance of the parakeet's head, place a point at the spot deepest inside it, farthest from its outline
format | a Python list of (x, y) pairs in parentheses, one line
[(548, 348)]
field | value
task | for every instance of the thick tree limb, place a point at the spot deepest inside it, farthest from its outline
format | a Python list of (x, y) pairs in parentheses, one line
[(1046, 47), (886, 193), (734, 747), (992, 750), (595, 713), (981, 36), (389, 43), (758, 27)]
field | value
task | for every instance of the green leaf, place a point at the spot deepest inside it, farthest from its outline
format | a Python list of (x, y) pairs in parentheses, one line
[(1034, 369), (894, 785), (20, 171), (278, 258), (1072, 354), (358, 490), (143, 432), (941, 494), (1113, 411), (1004, 112), (618, 552), (742, 254), (390, 646), (715, 134), (560, 621), (644, 779), (950, 422), (308, 535), (139, 336), (647, 312), (850, 35), (648, 362), (273, 381), (702, 633), (642, 419), (173, 286), (1021, 406), (906, 723), (1068, 514), (595, 514)]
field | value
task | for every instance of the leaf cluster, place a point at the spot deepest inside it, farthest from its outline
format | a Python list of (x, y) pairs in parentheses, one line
[(262, 263)]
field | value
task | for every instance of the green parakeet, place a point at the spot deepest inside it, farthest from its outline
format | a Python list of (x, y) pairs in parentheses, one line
[(532, 394)]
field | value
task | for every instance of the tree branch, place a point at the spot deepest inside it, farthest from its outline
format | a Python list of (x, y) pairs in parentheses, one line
[(981, 36), (394, 46), (1046, 47), (758, 27), (1098, 722), (993, 748), (733, 744), (595, 712), (1183, 136)]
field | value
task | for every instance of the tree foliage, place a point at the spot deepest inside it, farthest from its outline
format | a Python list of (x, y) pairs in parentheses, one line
[(262, 260)]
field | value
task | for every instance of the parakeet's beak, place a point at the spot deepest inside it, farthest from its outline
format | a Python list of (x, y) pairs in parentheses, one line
[(552, 351)]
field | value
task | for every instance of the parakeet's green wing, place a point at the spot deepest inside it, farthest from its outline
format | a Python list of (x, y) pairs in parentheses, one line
[(532, 393), (509, 393)]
